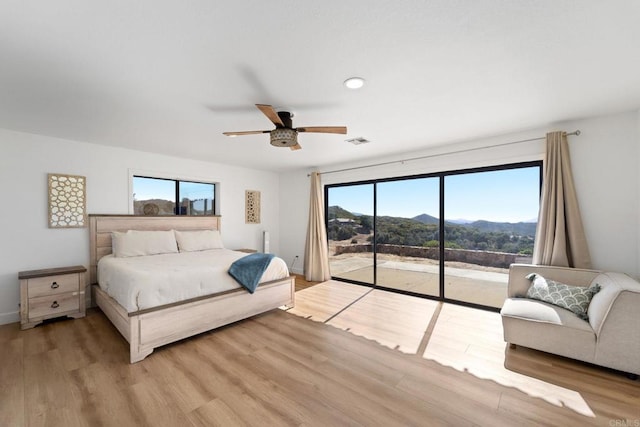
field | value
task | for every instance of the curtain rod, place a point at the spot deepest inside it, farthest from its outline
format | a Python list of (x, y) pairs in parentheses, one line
[(576, 133)]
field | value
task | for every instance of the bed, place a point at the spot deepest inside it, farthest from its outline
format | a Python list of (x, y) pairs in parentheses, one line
[(146, 328)]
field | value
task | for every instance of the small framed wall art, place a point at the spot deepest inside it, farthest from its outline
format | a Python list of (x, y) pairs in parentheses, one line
[(67, 201), (252, 207)]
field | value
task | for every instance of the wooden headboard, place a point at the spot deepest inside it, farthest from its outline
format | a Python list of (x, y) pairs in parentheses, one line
[(101, 226)]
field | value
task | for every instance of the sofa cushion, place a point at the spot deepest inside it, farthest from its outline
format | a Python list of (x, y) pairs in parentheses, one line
[(538, 311), (573, 298), (536, 324)]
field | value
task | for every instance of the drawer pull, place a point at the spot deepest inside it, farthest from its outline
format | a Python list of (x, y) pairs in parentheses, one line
[(55, 285), (55, 304)]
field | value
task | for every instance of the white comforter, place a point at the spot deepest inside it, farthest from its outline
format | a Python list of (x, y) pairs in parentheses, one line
[(142, 282)]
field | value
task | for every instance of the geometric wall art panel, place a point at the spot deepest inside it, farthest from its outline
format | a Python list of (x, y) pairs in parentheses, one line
[(252, 207), (67, 201)]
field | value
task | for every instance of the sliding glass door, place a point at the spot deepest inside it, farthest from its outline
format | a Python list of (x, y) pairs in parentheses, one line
[(450, 235), (407, 235), (491, 221), (349, 216)]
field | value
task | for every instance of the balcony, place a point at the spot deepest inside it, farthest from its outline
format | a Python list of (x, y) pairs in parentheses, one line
[(478, 277)]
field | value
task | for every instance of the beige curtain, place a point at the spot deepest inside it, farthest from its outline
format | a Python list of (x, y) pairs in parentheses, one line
[(316, 252), (560, 238)]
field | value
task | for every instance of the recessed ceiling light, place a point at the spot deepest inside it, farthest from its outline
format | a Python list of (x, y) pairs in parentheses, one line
[(354, 82)]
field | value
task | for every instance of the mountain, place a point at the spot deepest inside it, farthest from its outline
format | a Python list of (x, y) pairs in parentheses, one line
[(338, 212), (512, 228), (424, 230), (515, 228), (460, 221), (426, 219)]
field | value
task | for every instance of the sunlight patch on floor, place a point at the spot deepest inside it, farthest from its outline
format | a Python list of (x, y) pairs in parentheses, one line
[(470, 340), (466, 339), (393, 320)]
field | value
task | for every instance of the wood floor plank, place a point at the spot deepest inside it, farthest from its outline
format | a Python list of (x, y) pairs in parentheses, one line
[(254, 378), (74, 342), (10, 332), (12, 405), (526, 410), (180, 385), (221, 375), (302, 283), (155, 407), (323, 301), (38, 340), (215, 413), (480, 409), (49, 393), (330, 389), (381, 393), (393, 320)]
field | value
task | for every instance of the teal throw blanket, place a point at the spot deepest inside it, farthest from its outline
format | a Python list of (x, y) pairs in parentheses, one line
[(248, 270)]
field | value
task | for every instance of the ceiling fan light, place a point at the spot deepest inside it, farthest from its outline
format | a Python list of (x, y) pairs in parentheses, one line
[(284, 137), (354, 82)]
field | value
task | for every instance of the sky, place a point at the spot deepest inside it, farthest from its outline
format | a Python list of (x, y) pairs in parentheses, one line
[(149, 188), (510, 195), (501, 196)]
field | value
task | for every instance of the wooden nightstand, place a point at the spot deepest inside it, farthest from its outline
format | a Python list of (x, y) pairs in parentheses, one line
[(49, 293)]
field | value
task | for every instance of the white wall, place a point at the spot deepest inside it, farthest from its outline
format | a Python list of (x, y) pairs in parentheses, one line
[(605, 165), (28, 243), (294, 215), (605, 161), (605, 170)]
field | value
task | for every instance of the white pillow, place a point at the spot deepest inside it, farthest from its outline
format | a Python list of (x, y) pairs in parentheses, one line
[(139, 243), (201, 240)]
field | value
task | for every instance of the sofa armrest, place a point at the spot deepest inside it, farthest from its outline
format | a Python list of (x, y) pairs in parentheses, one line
[(519, 284), (613, 286), (619, 334)]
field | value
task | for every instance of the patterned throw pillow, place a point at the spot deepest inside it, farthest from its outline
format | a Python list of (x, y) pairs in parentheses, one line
[(574, 298)]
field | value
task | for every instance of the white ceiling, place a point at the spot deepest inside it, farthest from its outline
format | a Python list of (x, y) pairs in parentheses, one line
[(169, 76)]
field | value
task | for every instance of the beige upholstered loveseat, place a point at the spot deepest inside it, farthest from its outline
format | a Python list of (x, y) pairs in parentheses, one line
[(611, 335)]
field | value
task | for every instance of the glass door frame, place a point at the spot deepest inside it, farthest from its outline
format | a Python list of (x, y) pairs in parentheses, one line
[(441, 235)]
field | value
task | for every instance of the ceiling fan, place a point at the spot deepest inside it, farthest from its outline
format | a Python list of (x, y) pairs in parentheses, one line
[(285, 135)]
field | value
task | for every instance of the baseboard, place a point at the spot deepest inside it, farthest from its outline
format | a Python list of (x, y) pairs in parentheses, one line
[(11, 317)]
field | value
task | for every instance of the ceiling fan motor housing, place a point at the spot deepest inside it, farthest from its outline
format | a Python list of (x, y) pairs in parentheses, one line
[(284, 137)]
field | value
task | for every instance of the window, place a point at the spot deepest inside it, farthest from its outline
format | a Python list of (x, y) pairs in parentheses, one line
[(449, 235), (161, 196)]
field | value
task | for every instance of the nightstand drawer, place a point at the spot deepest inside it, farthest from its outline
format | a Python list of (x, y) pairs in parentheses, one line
[(50, 285), (50, 305)]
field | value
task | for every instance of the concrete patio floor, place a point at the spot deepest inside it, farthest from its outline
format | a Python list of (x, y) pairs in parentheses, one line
[(465, 284)]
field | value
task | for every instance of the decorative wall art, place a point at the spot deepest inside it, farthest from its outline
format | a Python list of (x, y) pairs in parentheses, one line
[(67, 201), (252, 207)]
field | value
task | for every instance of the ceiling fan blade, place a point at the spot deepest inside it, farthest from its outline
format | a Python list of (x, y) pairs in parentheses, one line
[(324, 129), (271, 114), (246, 132), (296, 147)]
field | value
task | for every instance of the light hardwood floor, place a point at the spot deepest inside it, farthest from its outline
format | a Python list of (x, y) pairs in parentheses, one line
[(302, 283), (380, 359)]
